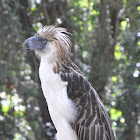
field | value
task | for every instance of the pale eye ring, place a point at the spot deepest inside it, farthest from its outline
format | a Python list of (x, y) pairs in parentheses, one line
[(44, 41)]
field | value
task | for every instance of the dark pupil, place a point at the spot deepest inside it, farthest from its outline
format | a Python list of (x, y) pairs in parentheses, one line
[(44, 40)]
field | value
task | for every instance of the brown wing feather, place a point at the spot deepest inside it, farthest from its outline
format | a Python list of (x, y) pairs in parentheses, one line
[(93, 122)]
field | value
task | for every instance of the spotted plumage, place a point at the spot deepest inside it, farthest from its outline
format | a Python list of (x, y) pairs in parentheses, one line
[(75, 108)]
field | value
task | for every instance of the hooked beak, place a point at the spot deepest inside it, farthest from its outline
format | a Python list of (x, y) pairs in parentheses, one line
[(34, 43), (26, 44)]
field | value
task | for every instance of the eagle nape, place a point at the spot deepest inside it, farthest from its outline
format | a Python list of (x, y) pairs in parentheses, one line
[(75, 108)]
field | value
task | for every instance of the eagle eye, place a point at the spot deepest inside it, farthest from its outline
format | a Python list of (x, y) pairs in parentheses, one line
[(44, 41)]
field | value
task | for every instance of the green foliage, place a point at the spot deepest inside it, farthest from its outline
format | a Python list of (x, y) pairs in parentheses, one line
[(123, 25), (22, 106), (115, 114)]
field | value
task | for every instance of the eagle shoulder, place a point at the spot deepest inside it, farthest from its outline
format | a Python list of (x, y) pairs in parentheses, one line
[(93, 122)]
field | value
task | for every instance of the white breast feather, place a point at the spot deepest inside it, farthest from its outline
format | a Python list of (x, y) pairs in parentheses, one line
[(62, 110)]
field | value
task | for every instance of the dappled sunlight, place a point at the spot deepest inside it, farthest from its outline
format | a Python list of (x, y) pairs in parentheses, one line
[(105, 38)]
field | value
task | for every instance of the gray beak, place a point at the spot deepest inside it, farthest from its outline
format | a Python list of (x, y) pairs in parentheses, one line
[(26, 44), (34, 43)]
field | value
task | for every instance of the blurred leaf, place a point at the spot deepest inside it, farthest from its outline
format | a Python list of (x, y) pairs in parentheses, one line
[(118, 55), (33, 9), (114, 79), (115, 114), (122, 120), (83, 3), (123, 25), (124, 1), (74, 18), (138, 9)]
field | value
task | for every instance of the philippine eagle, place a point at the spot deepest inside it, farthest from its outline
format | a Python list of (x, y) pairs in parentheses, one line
[(74, 106)]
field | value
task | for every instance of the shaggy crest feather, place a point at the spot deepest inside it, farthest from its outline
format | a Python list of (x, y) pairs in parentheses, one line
[(58, 36)]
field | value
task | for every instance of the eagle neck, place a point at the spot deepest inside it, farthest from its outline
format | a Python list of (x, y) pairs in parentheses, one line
[(57, 65)]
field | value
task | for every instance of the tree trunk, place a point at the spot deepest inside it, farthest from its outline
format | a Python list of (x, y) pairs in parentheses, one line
[(102, 54)]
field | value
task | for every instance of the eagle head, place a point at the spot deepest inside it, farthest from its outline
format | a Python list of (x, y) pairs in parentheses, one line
[(51, 42)]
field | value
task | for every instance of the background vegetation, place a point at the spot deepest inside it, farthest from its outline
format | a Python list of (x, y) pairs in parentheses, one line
[(106, 46)]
